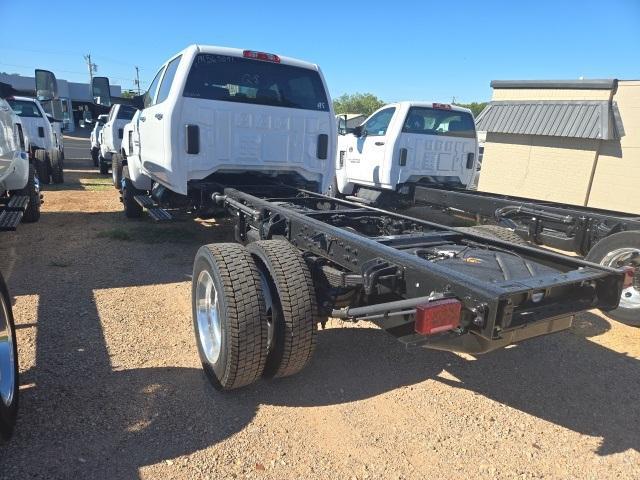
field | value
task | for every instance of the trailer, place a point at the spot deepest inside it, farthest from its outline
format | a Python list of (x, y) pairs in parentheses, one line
[(302, 257)]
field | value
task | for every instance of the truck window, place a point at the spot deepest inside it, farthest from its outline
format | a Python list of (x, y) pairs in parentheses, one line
[(126, 112), (377, 125), (431, 121), (151, 93), (24, 108), (238, 79), (167, 80)]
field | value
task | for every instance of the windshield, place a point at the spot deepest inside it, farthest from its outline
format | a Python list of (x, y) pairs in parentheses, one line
[(25, 108), (431, 121), (236, 79), (126, 112)]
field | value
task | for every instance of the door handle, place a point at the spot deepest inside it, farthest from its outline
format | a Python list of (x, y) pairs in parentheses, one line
[(158, 116), (379, 143), (142, 119)]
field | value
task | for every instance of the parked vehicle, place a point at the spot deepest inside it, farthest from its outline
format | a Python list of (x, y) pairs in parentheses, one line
[(110, 135), (9, 373), (44, 146), (253, 134), (406, 144), (19, 184), (129, 147), (94, 138)]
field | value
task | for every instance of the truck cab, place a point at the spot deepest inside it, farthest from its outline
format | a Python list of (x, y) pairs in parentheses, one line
[(405, 144), (112, 132), (215, 110), (44, 142)]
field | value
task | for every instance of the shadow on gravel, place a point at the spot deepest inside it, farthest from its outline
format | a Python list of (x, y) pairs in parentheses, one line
[(81, 418)]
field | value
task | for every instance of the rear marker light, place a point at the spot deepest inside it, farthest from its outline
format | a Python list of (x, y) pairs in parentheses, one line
[(629, 276), (267, 57), (438, 316), (442, 106)]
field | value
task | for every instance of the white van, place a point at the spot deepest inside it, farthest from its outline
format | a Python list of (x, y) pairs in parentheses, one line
[(405, 144), (216, 110)]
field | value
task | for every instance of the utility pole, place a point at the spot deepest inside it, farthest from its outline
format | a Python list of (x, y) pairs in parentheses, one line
[(137, 80), (93, 68)]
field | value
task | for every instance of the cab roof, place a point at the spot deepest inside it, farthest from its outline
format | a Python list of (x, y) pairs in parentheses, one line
[(238, 52), (417, 103)]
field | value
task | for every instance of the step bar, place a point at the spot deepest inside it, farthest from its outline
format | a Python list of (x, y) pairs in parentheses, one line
[(11, 213), (155, 211)]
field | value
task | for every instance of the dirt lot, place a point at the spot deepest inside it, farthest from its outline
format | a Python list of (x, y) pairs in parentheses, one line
[(112, 387)]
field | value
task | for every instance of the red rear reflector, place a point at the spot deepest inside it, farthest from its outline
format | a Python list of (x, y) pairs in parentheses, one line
[(267, 57), (438, 316), (442, 106), (629, 276)]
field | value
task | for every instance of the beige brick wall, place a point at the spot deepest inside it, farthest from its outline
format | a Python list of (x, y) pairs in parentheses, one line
[(616, 183), (544, 168)]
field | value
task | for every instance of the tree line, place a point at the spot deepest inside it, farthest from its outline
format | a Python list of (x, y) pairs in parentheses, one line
[(367, 103)]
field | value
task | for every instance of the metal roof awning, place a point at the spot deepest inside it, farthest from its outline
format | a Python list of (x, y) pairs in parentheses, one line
[(597, 119)]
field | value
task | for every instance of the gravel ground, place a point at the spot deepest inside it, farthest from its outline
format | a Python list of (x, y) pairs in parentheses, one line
[(111, 385)]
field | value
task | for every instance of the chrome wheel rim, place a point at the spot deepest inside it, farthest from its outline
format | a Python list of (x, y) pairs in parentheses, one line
[(208, 317), (7, 358), (621, 257)]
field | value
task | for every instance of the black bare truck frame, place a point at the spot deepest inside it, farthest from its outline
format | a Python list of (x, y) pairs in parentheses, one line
[(566, 227), (367, 263)]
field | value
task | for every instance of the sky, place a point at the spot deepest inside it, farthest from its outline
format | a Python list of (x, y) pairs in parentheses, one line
[(397, 50)]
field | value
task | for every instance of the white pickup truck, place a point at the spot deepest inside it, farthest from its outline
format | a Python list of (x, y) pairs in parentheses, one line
[(110, 136), (94, 138), (214, 114), (44, 145), (405, 144)]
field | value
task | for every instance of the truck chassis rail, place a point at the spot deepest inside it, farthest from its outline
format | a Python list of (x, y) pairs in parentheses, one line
[(384, 266)]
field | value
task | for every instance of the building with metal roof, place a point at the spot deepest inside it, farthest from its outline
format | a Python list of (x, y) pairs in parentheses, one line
[(569, 141)]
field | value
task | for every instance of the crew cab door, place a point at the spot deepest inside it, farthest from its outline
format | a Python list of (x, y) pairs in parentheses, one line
[(365, 157), (150, 126), (107, 130), (154, 123)]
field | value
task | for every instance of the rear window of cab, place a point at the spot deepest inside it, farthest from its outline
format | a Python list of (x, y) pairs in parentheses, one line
[(432, 121), (126, 112), (238, 79)]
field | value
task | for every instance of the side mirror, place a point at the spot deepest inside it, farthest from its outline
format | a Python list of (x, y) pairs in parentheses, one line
[(87, 117), (101, 91), (342, 124), (46, 85), (359, 131)]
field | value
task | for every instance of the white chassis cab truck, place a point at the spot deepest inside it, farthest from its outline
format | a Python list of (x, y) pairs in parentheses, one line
[(111, 134), (253, 135), (19, 184), (94, 138), (406, 144), (213, 115), (42, 142)]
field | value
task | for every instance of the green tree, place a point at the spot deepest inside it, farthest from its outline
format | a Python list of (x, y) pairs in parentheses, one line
[(129, 94), (363, 103), (475, 107)]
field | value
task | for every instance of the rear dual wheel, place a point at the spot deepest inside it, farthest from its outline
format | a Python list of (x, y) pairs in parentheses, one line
[(56, 161), (622, 250), (254, 312), (116, 170), (43, 166)]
